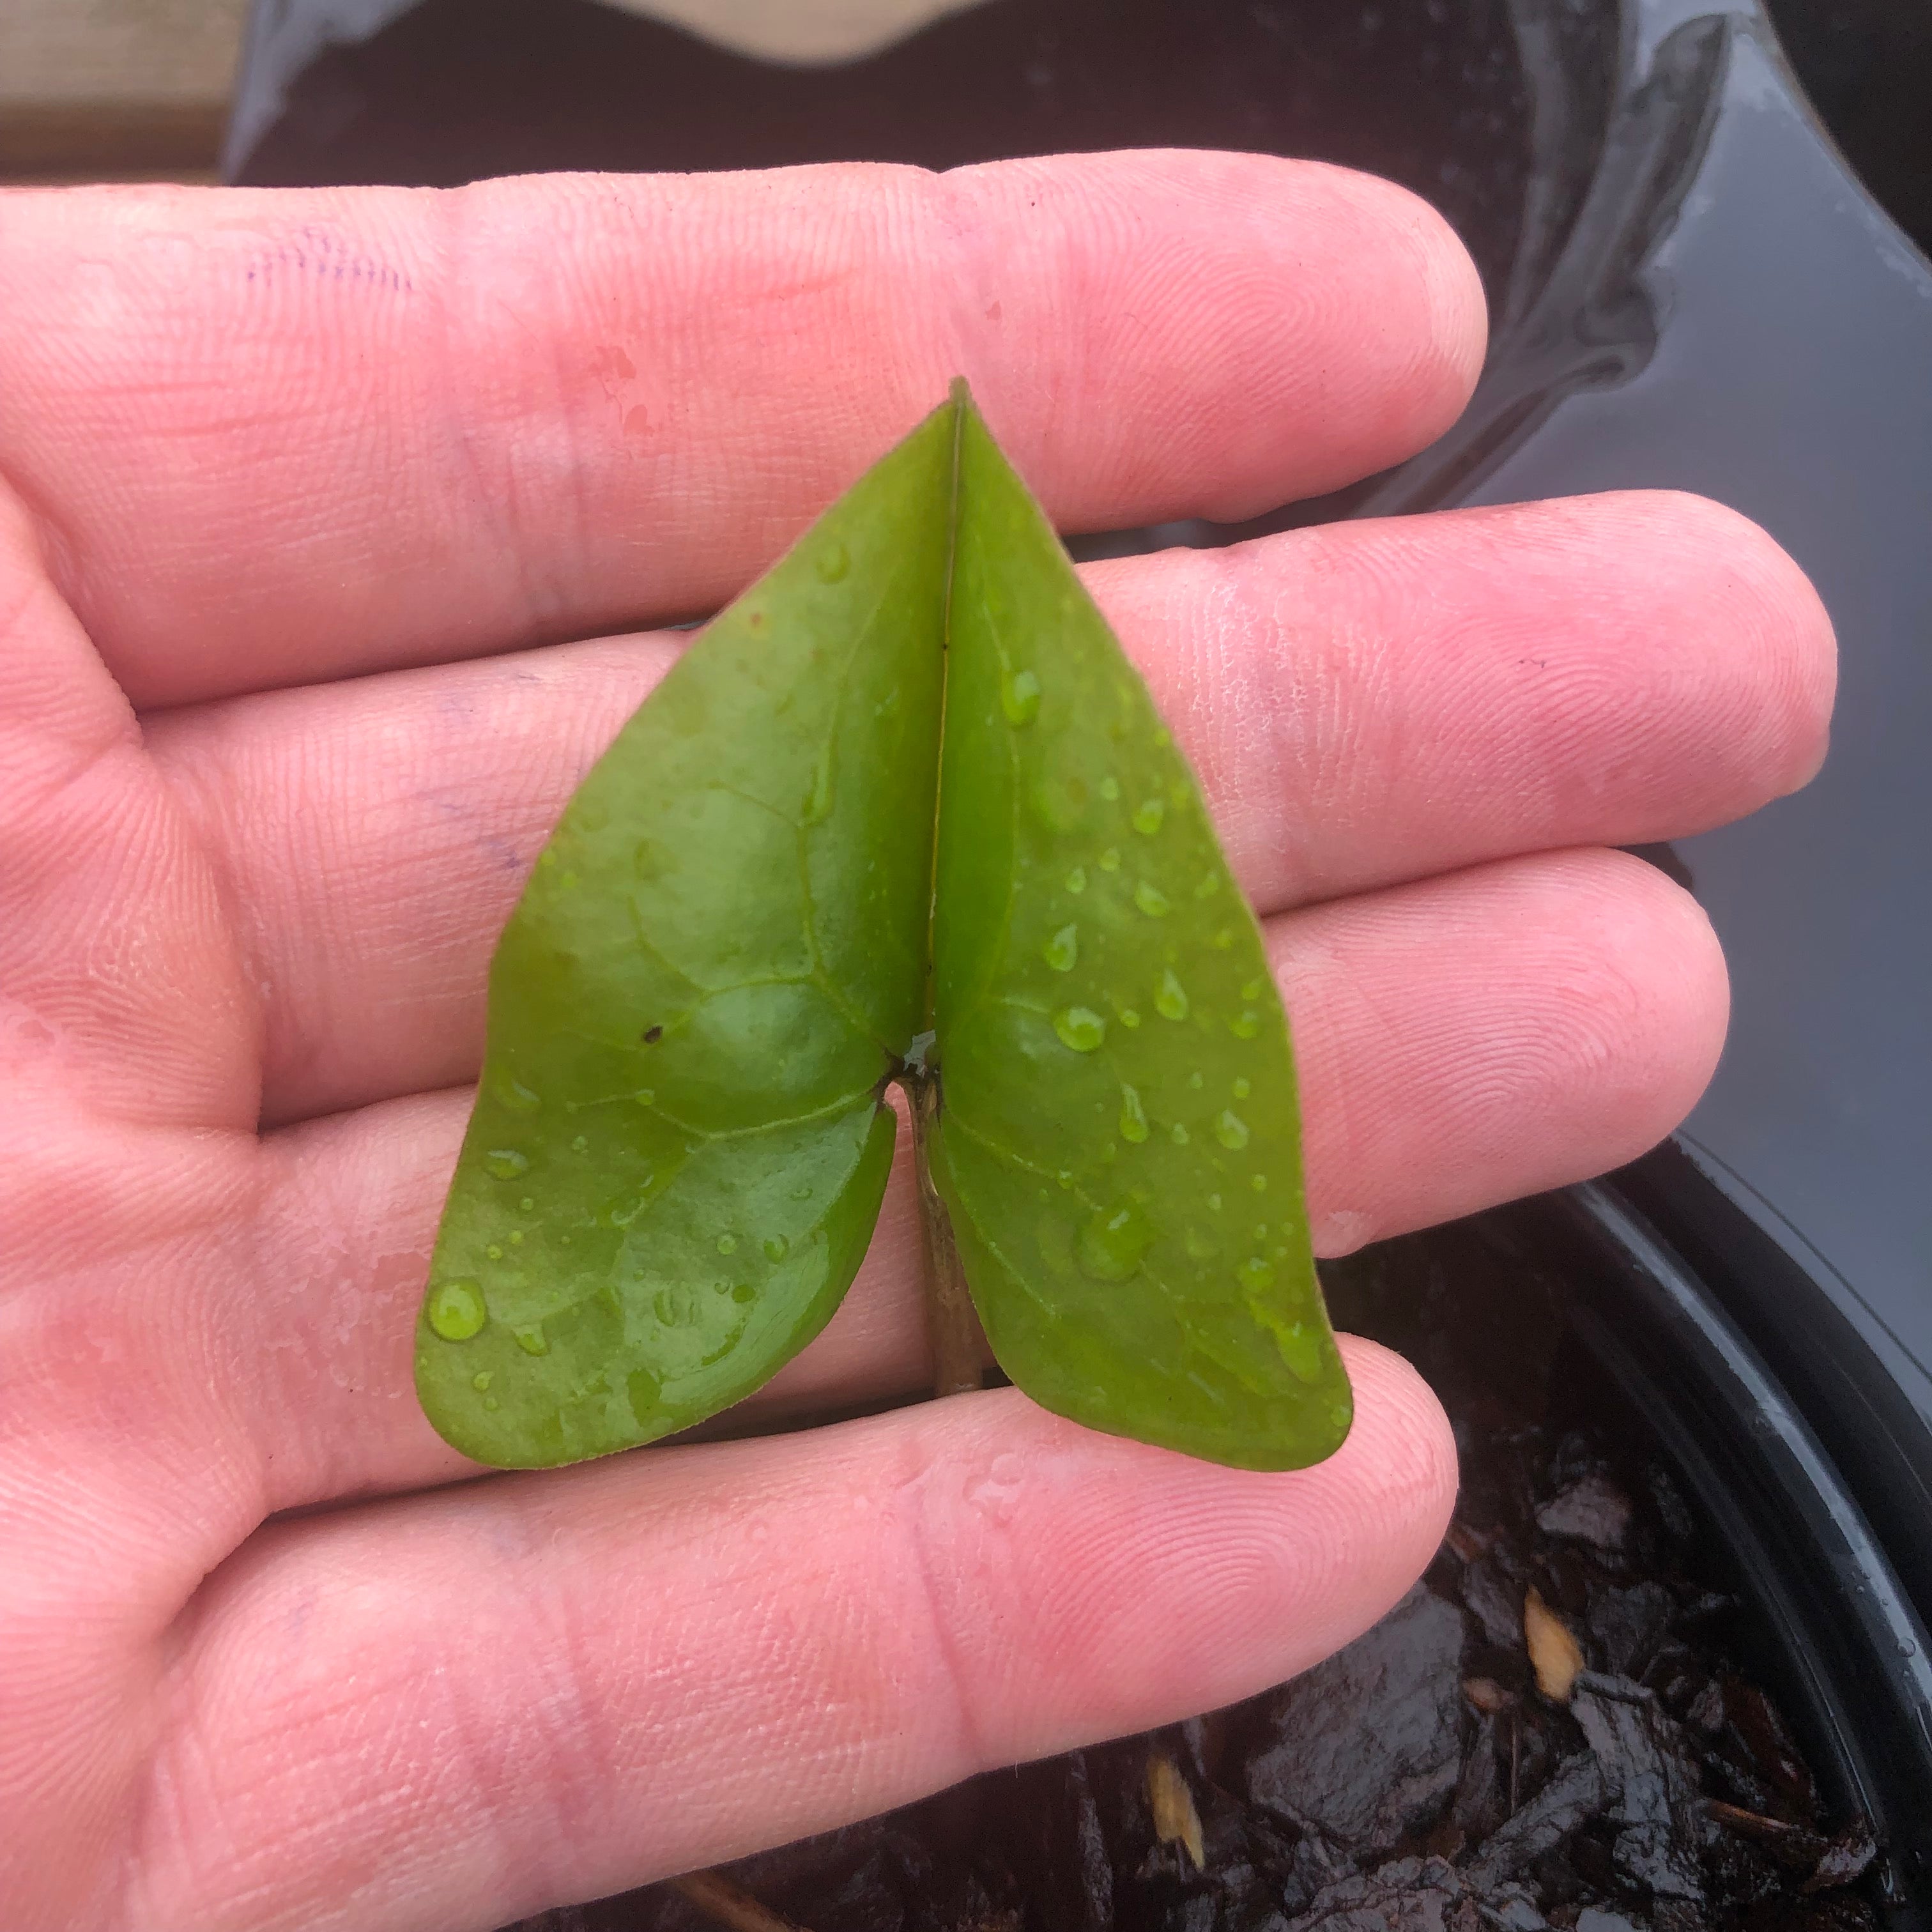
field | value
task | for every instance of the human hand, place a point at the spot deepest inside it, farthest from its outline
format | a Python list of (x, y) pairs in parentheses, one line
[(313, 486)]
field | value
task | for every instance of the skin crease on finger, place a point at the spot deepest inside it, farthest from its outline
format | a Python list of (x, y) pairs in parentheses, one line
[(438, 1710)]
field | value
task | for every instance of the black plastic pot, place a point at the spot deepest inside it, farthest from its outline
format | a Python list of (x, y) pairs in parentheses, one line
[(1842, 1646), (1690, 287)]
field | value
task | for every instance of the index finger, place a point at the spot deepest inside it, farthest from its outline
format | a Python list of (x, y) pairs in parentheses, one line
[(276, 436)]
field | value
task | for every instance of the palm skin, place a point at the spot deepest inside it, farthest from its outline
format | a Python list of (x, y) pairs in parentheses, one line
[(303, 498)]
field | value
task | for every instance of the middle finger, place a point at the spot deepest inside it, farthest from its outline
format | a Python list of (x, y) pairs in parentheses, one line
[(1365, 703)]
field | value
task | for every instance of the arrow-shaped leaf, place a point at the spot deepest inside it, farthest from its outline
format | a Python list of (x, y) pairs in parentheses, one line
[(737, 935)]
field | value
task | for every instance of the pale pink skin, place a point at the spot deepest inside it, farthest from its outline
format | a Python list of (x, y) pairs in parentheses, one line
[(299, 493)]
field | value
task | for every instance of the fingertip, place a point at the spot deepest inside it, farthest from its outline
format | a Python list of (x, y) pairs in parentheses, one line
[(1402, 1453), (1673, 962), (1780, 625)]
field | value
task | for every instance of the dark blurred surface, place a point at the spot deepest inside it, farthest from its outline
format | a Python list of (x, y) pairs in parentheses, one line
[(1866, 65)]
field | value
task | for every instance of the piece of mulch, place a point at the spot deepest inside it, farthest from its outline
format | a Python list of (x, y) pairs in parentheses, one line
[(1552, 1729)]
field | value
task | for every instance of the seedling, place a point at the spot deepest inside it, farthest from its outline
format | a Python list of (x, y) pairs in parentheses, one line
[(903, 813)]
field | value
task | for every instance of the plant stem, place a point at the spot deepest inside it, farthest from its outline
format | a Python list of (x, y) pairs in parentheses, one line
[(953, 1323), (719, 1898)]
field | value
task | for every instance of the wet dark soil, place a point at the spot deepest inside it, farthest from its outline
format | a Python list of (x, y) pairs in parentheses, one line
[(1632, 1775)]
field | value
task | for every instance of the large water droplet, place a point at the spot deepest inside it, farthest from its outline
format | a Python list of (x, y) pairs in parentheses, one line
[(1177, 1134), (1242, 1089), (1151, 900), (675, 1307), (743, 1292), (1062, 951), (1214, 1203), (457, 1310), (527, 1204), (775, 1247), (1253, 989), (832, 561), (1230, 1130), (514, 1094), (1246, 1024), (1076, 879), (1019, 697), (1209, 885), (1148, 817), (1110, 859), (506, 1163), (495, 1253), (1110, 787), (1133, 1116), (481, 1380), (532, 1339), (1255, 1275), (728, 1244), (1170, 997), (818, 800), (1112, 1241), (1080, 1028)]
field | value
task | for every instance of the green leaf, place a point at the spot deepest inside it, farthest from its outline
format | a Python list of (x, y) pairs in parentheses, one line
[(1117, 1140), (734, 942)]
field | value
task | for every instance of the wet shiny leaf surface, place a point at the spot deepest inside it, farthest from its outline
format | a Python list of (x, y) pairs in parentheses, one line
[(723, 956)]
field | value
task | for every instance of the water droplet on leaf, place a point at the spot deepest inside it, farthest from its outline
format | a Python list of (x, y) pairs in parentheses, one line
[(1112, 1241), (1080, 1028), (1133, 1117), (1255, 1275), (1242, 1089), (456, 1310), (1170, 998), (1110, 859), (832, 561), (1062, 951), (1110, 787), (775, 1247), (1019, 697), (728, 1244), (506, 1163), (1246, 1024), (675, 1307), (532, 1339), (1230, 1130), (1148, 817), (1151, 900), (514, 1095)]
